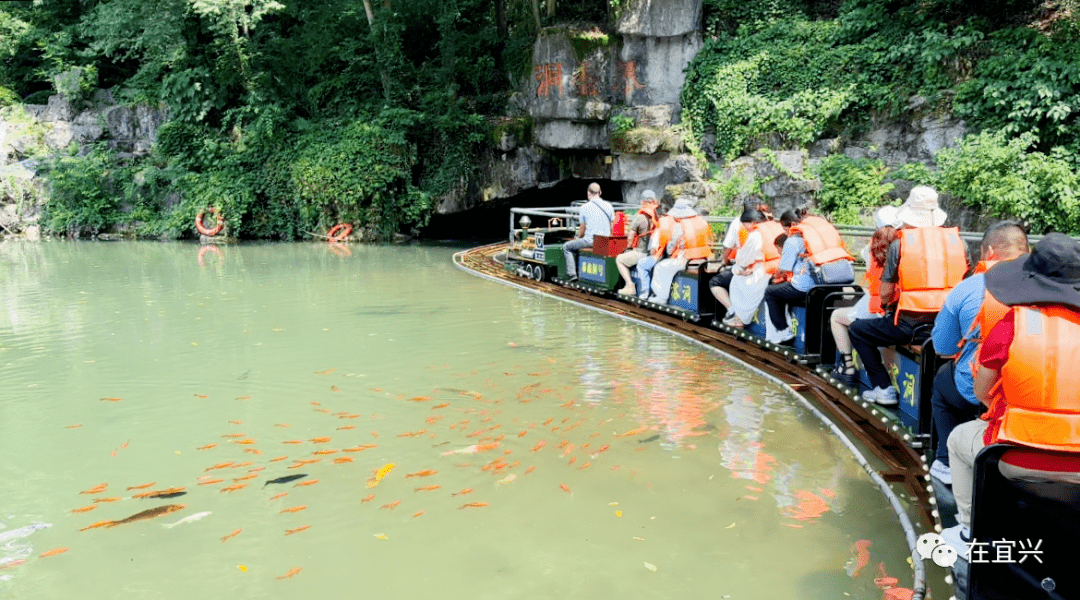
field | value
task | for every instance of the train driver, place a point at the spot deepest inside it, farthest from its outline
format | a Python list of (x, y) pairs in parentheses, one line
[(1027, 376), (597, 215)]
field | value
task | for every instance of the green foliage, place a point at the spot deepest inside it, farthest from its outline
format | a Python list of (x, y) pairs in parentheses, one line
[(848, 186), (623, 122), (83, 198), (999, 175)]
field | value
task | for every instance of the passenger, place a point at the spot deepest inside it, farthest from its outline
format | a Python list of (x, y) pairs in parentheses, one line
[(720, 283), (641, 230), (736, 233), (750, 273), (869, 306), (597, 216), (689, 240), (953, 399), (794, 272), (1025, 376), (923, 264)]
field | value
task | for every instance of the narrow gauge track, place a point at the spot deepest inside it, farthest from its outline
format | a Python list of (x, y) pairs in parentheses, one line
[(902, 463)]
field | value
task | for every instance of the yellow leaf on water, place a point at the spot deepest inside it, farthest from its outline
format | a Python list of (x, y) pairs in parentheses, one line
[(618, 513), (381, 536), (730, 526), (650, 567), (242, 568)]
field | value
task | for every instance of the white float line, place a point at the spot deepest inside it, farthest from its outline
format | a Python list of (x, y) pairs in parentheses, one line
[(901, 515)]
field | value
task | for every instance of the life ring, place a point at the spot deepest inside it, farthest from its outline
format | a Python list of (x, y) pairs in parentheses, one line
[(343, 228), (202, 228)]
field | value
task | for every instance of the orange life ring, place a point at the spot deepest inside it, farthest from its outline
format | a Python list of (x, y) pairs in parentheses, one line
[(202, 228), (333, 236)]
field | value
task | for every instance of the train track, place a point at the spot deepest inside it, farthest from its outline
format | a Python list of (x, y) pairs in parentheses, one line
[(901, 463)]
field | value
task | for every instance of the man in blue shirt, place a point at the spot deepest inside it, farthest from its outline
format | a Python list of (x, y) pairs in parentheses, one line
[(597, 216), (780, 295), (953, 399)]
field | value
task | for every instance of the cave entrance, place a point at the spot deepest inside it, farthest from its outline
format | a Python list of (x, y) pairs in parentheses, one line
[(491, 220)]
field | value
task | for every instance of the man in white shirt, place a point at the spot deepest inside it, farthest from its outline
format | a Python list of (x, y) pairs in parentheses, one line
[(596, 217)]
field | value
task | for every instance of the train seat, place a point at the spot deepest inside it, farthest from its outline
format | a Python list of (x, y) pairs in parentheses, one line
[(1025, 524)]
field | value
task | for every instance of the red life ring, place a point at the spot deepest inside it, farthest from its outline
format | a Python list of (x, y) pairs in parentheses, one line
[(334, 237), (202, 228)]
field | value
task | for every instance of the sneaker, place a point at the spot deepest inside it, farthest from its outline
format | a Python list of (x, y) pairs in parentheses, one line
[(884, 397), (643, 296), (628, 292), (784, 335), (571, 278), (729, 319), (959, 537), (941, 472)]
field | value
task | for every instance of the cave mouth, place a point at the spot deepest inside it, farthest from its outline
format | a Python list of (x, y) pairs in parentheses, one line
[(490, 221)]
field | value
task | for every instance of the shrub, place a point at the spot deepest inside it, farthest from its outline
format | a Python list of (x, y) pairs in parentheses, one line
[(850, 185)]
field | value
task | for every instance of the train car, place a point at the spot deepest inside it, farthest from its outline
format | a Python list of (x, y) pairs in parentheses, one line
[(1036, 519)]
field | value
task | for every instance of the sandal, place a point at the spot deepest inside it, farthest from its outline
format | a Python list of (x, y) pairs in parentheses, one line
[(840, 371)]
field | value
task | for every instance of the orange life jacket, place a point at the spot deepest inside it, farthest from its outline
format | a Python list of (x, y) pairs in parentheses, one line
[(731, 252), (770, 230), (873, 281), (822, 240), (697, 238), (932, 261), (664, 229), (650, 214), (1035, 403)]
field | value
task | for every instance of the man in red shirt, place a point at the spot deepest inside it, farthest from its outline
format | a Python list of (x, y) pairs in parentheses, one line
[(1045, 289)]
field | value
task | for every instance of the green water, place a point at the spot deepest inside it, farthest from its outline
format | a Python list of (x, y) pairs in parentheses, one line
[(694, 467)]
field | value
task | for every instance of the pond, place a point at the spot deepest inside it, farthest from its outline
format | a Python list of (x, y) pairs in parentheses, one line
[(283, 420)]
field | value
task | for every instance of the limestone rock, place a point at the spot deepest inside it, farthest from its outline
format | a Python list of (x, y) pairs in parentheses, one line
[(59, 136), (652, 70), (33, 233), (659, 18), (565, 135), (58, 109)]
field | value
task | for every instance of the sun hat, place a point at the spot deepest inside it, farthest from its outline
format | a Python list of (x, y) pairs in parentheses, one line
[(1049, 275), (921, 208), (886, 216), (648, 196), (682, 209)]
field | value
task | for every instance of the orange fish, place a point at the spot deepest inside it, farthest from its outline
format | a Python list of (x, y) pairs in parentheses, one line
[(282, 425), (342, 459), (860, 551), (206, 447), (584, 466), (75, 426), (548, 422), (13, 563), (234, 435), (252, 450), (573, 459), (569, 449), (84, 508), (334, 388), (367, 498), (319, 440), (418, 514), (221, 466), (293, 442), (256, 469), (443, 405), (602, 448), (246, 477), (565, 487), (293, 509), (633, 432), (244, 398), (323, 410), (143, 486), (323, 452), (428, 488), (111, 399), (420, 399), (159, 493), (529, 470), (96, 525), (281, 495), (326, 372), (390, 506), (309, 482), (473, 505), (53, 552), (278, 459), (462, 492), (424, 473), (231, 535), (237, 422), (99, 500), (346, 428), (201, 396), (539, 445), (245, 442), (97, 489), (233, 488), (297, 530), (290, 573), (563, 444)]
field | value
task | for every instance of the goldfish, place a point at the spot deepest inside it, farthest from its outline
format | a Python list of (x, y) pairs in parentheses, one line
[(256, 469), (473, 449), (417, 514), (293, 442), (633, 432), (569, 449), (565, 487), (368, 498), (278, 459), (326, 372), (548, 422), (342, 460), (334, 388), (221, 466), (53, 552), (281, 495), (233, 488), (13, 563), (142, 486), (573, 459), (234, 435), (201, 396), (563, 444), (346, 428), (860, 553), (99, 500), (245, 442), (84, 508), (424, 473), (111, 399), (324, 452), (290, 573), (420, 399), (523, 432), (75, 426), (244, 398), (319, 440), (297, 530), (584, 466), (97, 489), (173, 491), (354, 449), (207, 447), (231, 535), (306, 483), (602, 448), (252, 450), (539, 445), (96, 525), (473, 505), (390, 506), (443, 405), (246, 477), (428, 488), (282, 425), (384, 471), (529, 470), (462, 492), (295, 508)]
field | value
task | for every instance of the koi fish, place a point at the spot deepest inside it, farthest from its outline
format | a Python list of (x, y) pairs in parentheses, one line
[(860, 553), (252, 450), (294, 509), (539, 445), (278, 459), (97, 489), (207, 447), (424, 473), (428, 488), (290, 573), (633, 432), (244, 398), (96, 525), (346, 428), (334, 388), (530, 470), (53, 552), (297, 530), (111, 399), (324, 452), (99, 500), (13, 563), (286, 479), (83, 509), (221, 466), (326, 372), (443, 405), (417, 514), (293, 442), (305, 483), (384, 471), (420, 399), (189, 519), (233, 488), (234, 435), (282, 425), (148, 514), (548, 422), (462, 492), (474, 505), (143, 486), (75, 426), (368, 498), (246, 477), (319, 440), (245, 442), (201, 396), (390, 506), (342, 460), (412, 433), (568, 450), (169, 493), (281, 495), (231, 535), (602, 448), (565, 488)]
